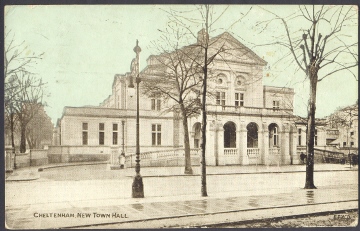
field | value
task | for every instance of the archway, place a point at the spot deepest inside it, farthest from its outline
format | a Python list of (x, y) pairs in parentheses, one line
[(252, 135), (197, 134), (230, 135), (274, 140)]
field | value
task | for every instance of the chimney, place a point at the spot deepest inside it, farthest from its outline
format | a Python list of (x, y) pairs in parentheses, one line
[(202, 36)]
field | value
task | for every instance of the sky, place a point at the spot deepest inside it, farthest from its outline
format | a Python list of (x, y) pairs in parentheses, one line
[(84, 46)]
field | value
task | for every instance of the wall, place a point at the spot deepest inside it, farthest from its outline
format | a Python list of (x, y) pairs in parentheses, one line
[(66, 154)]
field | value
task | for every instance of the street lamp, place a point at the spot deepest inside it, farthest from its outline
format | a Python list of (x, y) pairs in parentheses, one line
[(137, 186), (122, 156)]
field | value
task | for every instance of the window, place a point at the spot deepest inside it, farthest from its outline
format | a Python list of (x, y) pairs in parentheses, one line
[(115, 134), (220, 98), (276, 137), (156, 104), (156, 134), (351, 143), (344, 144), (85, 133), (276, 104), (351, 133), (299, 136), (101, 133), (315, 138), (239, 99)]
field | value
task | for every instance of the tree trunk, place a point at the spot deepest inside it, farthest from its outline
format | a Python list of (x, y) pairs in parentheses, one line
[(12, 132), (188, 169), (22, 138), (203, 131), (309, 182)]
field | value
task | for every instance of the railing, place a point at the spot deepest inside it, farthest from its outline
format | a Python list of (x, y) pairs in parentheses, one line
[(274, 151), (253, 153), (170, 157), (329, 156), (230, 151), (248, 110), (321, 155)]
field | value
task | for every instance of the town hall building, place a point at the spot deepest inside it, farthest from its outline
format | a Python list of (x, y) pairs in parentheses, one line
[(247, 122)]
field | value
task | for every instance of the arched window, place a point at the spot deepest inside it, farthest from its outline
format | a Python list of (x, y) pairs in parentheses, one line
[(229, 135), (252, 135)]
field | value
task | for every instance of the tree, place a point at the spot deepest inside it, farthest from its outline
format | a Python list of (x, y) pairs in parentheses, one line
[(176, 77), (39, 130), (17, 64), (320, 49), (27, 102)]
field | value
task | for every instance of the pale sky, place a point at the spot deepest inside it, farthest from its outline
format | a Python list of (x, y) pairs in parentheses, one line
[(85, 46)]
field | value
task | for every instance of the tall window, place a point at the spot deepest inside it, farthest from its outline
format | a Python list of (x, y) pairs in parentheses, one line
[(315, 138), (239, 99), (276, 136), (85, 133), (276, 104), (156, 104), (156, 134), (101, 133), (220, 98), (115, 134), (299, 136)]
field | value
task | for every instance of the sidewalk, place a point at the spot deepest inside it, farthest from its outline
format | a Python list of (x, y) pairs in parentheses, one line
[(115, 213), (32, 173)]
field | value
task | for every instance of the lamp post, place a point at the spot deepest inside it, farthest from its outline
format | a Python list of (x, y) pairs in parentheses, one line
[(122, 155), (137, 186), (123, 138)]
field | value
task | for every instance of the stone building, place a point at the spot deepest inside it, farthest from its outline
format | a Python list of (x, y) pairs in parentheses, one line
[(248, 123)]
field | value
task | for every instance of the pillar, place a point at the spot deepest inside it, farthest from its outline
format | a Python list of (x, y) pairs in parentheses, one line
[(285, 151), (210, 143), (265, 147), (244, 159), (219, 139), (293, 145)]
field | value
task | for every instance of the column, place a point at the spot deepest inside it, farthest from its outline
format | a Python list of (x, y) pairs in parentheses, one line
[(219, 144), (293, 145), (210, 143), (265, 148), (285, 152), (244, 160)]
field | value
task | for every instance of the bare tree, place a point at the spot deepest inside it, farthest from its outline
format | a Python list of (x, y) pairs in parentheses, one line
[(27, 102), (17, 64), (176, 77), (204, 54), (320, 49), (39, 130)]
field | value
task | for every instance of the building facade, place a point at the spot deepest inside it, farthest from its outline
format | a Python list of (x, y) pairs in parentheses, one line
[(247, 122)]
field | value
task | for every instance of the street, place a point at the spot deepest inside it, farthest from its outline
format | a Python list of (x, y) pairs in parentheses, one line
[(61, 190)]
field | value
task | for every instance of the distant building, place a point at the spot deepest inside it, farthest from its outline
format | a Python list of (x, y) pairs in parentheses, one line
[(342, 128), (248, 123)]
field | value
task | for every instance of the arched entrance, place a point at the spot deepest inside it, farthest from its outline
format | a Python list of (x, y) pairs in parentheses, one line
[(274, 140), (230, 135), (274, 144), (197, 134), (252, 135)]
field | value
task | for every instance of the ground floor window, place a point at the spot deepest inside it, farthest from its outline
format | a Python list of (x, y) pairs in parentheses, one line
[(156, 134)]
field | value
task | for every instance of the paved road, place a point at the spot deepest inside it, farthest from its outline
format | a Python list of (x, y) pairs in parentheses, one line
[(46, 191), (164, 196)]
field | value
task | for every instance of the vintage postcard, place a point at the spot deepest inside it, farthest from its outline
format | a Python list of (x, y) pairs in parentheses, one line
[(181, 116)]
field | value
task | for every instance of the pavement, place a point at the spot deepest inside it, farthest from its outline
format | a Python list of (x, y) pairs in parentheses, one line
[(184, 210), (32, 173)]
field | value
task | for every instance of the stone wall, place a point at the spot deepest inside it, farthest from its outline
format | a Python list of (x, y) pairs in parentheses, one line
[(68, 154)]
